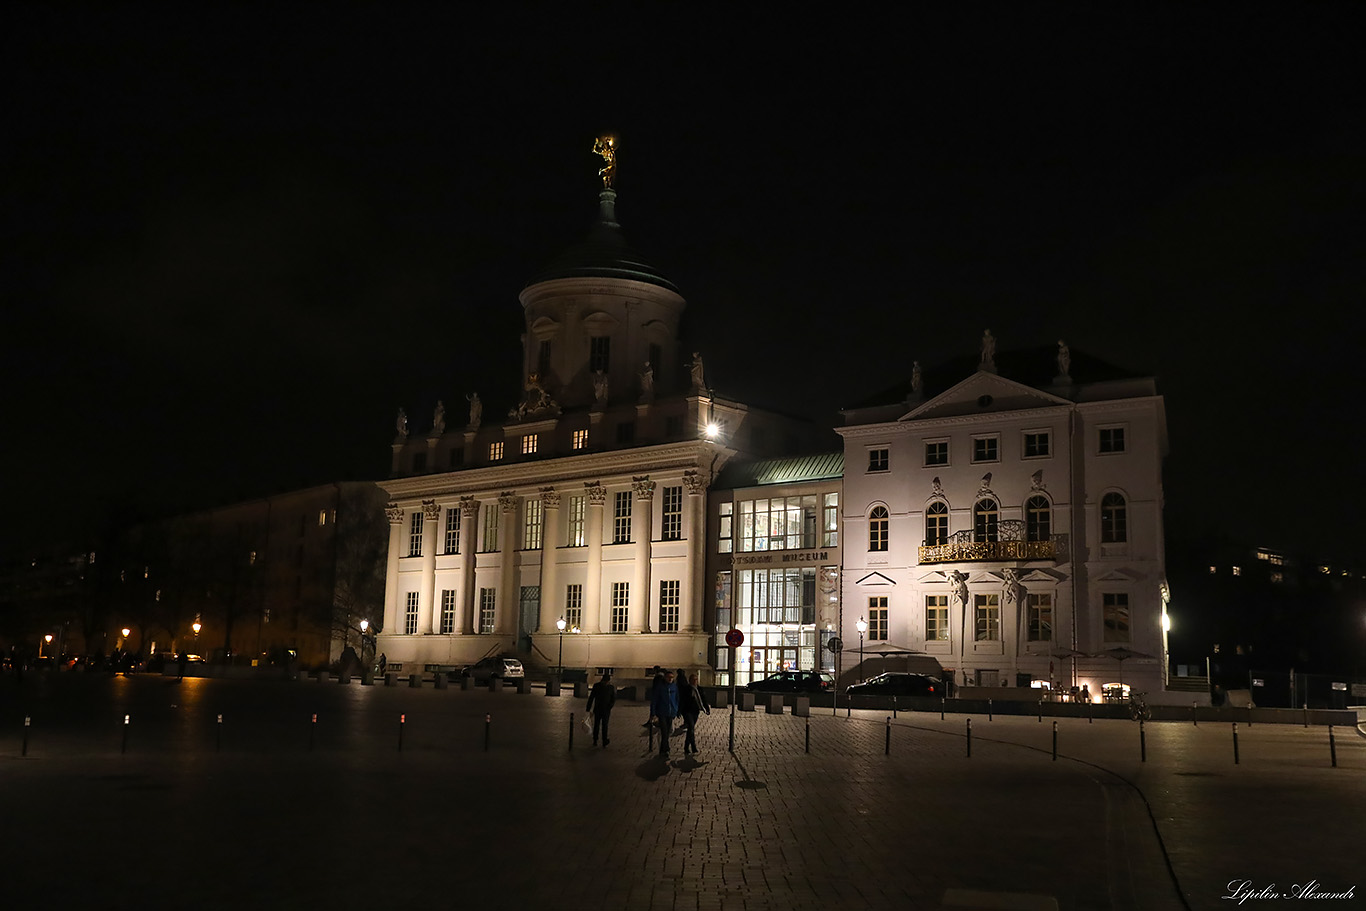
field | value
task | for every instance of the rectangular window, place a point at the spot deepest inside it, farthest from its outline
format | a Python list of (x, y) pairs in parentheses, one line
[(531, 525), (1036, 444), (877, 618), (410, 615), (986, 449), (830, 514), (453, 530), (415, 535), (936, 452), (672, 527), (621, 597), (573, 607), (579, 440), (988, 615), (1116, 613), (543, 359), (447, 611), (1040, 617), (496, 451), (487, 605), (936, 618), (322, 517), (1112, 439), (490, 528), (529, 443), (723, 533), (575, 518), (621, 517), (879, 459), (668, 606), (599, 353)]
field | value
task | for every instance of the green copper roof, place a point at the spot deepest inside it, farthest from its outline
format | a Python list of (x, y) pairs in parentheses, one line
[(796, 469), (603, 254)]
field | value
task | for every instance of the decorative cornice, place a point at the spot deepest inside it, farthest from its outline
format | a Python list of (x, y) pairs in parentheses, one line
[(395, 513), (692, 480)]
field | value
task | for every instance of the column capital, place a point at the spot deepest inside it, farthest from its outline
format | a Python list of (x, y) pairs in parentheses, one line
[(597, 494), (550, 497), (507, 501), (643, 486), (395, 513), (469, 506), (692, 479), (430, 511)]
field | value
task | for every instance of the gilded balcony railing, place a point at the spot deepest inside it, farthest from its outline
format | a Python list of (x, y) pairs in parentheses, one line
[(986, 551)]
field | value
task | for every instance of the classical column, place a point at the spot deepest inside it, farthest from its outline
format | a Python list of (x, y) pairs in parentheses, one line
[(507, 601), (592, 583), (638, 615), (552, 606), (466, 607), (425, 610), (395, 514), (694, 585)]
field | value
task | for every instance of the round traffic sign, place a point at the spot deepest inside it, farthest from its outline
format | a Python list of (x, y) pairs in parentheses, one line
[(835, 644), (735, 638)]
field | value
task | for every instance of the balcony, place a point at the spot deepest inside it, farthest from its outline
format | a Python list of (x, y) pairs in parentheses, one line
[(1011, 547)]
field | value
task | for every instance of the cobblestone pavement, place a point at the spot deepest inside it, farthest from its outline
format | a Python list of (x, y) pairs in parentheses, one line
[(269, 809)]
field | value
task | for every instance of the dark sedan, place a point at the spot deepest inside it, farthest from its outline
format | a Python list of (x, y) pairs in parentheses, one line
[(793, 682), (897, 684)]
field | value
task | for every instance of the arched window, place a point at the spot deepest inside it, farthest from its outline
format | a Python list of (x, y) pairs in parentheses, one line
[(936, 524), (877, 528), (1114, 519), (1038, 519), (986, 517)]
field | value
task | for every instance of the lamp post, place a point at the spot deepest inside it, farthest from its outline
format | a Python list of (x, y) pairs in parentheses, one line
[(559, 667), (364, 625), (862, 626), (48, 640)]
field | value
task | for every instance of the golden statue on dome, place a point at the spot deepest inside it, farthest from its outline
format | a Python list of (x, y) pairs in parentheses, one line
[(606, 146)]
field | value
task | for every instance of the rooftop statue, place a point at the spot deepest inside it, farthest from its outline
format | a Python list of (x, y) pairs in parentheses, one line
[(402, 424), (647, 383), (476, 410), (606, 146), (988, 352), (698, 382), (439, 418), (917, 381), (1064, 359)]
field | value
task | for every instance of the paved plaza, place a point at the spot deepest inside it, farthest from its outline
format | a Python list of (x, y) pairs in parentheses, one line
[(419, 798)]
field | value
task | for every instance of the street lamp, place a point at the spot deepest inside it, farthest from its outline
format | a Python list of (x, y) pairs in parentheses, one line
[(196, 626), (48, 640), (560, 625), (862, 626)]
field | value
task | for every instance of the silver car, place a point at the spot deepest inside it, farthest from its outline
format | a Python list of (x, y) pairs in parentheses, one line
[(488, 668)]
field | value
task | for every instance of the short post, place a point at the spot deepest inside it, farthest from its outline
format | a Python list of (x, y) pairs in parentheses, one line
[(943, 700), (1235, 743), (1142, 742), (1305, 707), (969, 738), (887, 748), (402, 720), (1040, 710), (124, 748), (808, 734), (1195, 719), (571, 732), (989, 710), (893, 706), (312, 727), (488, 726), (1332, 746), (218, 748), (1055, 741), (28, 721), (1090, 712)]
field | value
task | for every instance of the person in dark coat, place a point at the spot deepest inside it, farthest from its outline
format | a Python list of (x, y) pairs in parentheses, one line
[(600, 701), (664, 707), (691, 703)]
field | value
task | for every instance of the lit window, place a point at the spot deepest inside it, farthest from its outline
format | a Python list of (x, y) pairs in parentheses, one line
[(531, 525), (496, 451), (580, 439), (575, 517), (1040, 617), (1114, 523), (987, 610), (621, 517), (488, 602), (1213, 570), (573, 607), (1115, 607), (878, 459), (830, 535), (1036, 444), (490, 528), (936, 524), (877, 618), (410, 615), (936, 618), (322, 518), (1237, 570), (415, 535), (877, 529), (453, 530), (529, 443), (986, 449), (672, 514), (936, 452), (1038, 519), (986, 521), (1112, 439), (668, 605), (621, 597), (723, 532), (447, 611)]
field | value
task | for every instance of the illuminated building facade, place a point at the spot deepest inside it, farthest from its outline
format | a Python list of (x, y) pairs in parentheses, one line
[(1004, 514)]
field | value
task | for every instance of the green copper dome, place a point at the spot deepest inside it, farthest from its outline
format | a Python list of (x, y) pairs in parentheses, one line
[(603, 254)]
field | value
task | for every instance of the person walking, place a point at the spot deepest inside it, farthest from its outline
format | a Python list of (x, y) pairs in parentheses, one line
[(691, 702), (664, 707), (600, 701)]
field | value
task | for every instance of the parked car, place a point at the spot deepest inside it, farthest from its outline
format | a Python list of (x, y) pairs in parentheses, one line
[(898, 684), (486, 669), (793, 682)]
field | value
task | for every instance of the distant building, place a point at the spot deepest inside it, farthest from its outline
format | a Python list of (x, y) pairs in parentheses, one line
[(1004, 514), (586, 502)]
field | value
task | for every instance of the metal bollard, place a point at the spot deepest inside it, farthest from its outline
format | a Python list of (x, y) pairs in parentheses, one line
[(1090, 712), (124, 749), (1040, 711), (1055, 741), (1332, 746), (1305, 707), (402, 720), (218, 748), (808, 735), (942, 701), (894, 706), (969, 738), (28, 721), (1142, 742), (1195, 720), (571, 732), (488, 726), (989, 710), (312, 727), (887, 749), (1235, 743)]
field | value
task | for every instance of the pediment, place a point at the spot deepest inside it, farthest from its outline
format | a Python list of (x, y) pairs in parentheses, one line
[(968, 396), (1044, 575), (1120, 574), (875, 579)]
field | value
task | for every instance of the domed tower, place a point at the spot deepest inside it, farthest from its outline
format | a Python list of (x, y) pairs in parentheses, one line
[(598, 314)]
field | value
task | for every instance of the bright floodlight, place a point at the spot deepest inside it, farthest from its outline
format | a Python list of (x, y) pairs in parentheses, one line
[(1166, 623), (560, 624), (713, 431), (196, 627), (364, 625), (126, 631)]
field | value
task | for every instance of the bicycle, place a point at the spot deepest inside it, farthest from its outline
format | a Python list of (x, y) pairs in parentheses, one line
[(1138, 708)]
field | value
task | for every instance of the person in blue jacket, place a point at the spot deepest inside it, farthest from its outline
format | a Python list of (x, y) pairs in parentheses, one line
[(664, 707)]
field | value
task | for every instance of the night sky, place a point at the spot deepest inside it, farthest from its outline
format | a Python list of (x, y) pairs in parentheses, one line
[(236, 242)]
